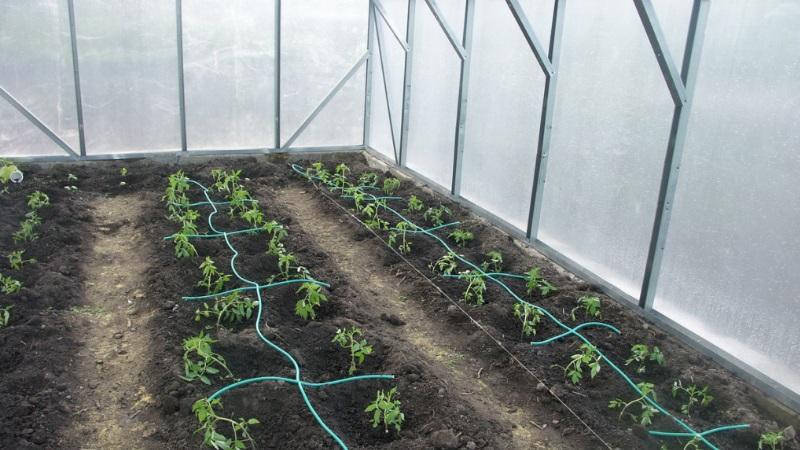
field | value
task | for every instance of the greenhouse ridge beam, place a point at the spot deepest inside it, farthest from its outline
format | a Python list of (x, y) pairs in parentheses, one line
[(406, 82), (39, 124), (463, 90), (76, 74)]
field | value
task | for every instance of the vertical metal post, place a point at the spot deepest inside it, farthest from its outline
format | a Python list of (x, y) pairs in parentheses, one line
[(73, 39), (370, 63), (458, 156), (407, 82), (546, 123), (278, 20), (181, 90), (672, 161), (381, 60)]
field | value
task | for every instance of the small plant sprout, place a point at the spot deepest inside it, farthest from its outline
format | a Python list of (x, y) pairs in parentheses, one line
[(285, 261), (9, 285), (405, 245), (16, 260), (390, 185), (535, 282), (436, 215), (446, 265), (359, 348), (529, 316), (414, 204), (225, 181), (240, 201), (386, 409), (368, 179), (38, 200), (590, 305), (494, 261), (773, 439), (27, 228), (461, 237), (253, 216), (277, 233), (641, 353), (586, 358), (199, 359), (213, 280), (123, 172), (204, 410), (230, 309), (183, 248), (5, 315), (475, 288), (318, 170), (693, 394), (7, 171), (647, 411), (175, 194), (313, 298), (71, 177)]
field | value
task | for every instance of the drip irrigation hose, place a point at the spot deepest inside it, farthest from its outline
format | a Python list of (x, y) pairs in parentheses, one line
[(690, 432), (301, 384)]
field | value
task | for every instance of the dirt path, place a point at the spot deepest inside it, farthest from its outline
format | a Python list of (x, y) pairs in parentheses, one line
[(445, 351), (113, 335)]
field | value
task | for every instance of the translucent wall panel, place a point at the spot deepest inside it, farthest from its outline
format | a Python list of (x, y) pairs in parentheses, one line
[(612, 120), (19, 137), (36, 68), (676, 15), (229, 66), (319, 45), (504, 105), (731, 263), (129, 75), (380, 131), (435, 75), (341, 121)]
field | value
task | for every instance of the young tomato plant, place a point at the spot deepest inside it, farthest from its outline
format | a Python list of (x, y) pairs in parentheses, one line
[(475, 288), (368, 179), (285, 261), (445, 265), (183, 248), (494, 262), (386, 409), (405, 245), (200, 361), (319, 171), (9, 285), (588, 358), (277, 233), (529, 316), (213, 280), (535, 282), (38, 200), (313, 298), (27, 228), (414, 204), (123, 172), (436, 215), (7, 169), (589, 304), (5, 315), (641, 353), (175, 194), (16, 260), (225, 181), (230, 309), (340, 176), (694, 396), (390, 185), (647, 411), (206, 412), (461, 237), (359, 348), (773, 439), (253, 216)]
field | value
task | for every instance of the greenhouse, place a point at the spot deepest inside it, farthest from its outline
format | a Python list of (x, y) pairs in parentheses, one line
[(400, 224)]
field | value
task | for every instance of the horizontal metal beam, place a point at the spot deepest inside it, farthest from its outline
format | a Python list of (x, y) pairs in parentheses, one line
[(382, 12), (327, 99), (659, 43), (530, 36), (39, 124), (448, 32)]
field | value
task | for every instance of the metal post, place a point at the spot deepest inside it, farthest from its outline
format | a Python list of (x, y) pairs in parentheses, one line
[(458, 156), (407, 82), (278, 74), (382, 63), (546, 123), (368, 84), (658, 42), (672, 161), (181, 90), (73, 39)]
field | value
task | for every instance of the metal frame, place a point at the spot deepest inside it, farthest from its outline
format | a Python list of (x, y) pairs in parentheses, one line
[(410, 24), (448, 32), (385, 85), (76, 74), (368, 81), (278, 73), (39, 124), (181, 87), (463, 90)]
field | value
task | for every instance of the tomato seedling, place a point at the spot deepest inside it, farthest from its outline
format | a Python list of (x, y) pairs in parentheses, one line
[(386, 409), (589, 304), (285, 261), (123, 172), (5, 315), (38, 200), (9, 285), (405, 245), (414, 204), (475, 288), (641, 353), (436, 215), (694, 396), (313, 298), (773, 439), (230, 309), (647, 411), (359, 348), (446, 265), (253, 216), (535, 282), (183, 248), (7, 169), (368, 179), (27, 228), (529, 316), (16, 261), (461, 237), (586, 358), (199, 359), (240, 201), (494, 262), (206, 414), (225, 181), (213, 280), (390, 185)]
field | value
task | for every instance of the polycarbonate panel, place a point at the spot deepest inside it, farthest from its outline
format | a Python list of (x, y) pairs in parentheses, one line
[(129, 75), (608, 143), (453, 12), (320, 43), (506, 90), (229, 67), (730, 264), (676, 14), (380, 132), (435, 74), (341, 122), (20, 137), (36, 68)]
